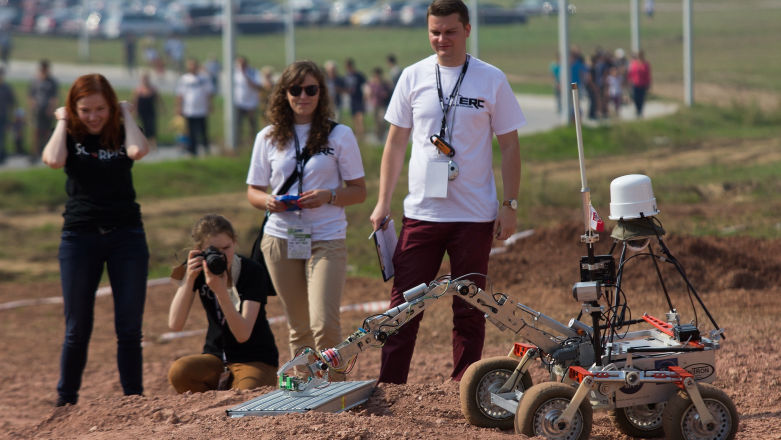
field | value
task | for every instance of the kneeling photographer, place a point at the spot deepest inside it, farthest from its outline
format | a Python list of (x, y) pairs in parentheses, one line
[(239, 351)]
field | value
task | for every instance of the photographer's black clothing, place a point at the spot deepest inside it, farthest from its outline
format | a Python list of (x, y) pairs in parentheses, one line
[(99, 186), (260, 346)]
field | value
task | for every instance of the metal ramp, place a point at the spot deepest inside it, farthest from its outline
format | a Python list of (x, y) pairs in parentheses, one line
[(336, 397)]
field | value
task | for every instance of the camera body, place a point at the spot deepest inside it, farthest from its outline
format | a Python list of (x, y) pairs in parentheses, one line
[(215, 260)]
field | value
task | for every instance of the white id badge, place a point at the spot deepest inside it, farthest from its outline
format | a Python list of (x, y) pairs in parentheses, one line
[(436, 179), (299, 242)]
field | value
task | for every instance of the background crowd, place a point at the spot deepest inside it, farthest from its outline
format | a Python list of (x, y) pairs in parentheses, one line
[(608, 79)]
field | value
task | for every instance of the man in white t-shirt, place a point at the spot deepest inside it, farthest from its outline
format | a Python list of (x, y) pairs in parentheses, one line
[(452, 202), (247, 84), (194, 102)]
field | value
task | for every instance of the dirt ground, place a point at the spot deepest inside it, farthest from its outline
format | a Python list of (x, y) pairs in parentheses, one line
[(738, 279)]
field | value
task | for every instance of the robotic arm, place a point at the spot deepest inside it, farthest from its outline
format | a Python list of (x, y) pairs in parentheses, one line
[(500, 310)]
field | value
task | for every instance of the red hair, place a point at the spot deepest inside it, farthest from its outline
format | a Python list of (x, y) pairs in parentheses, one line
[(91, 84)]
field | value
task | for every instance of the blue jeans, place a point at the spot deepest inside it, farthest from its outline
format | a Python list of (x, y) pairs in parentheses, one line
[(82, 256)]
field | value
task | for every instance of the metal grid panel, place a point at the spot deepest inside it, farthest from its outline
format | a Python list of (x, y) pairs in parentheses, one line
[(337, 397)]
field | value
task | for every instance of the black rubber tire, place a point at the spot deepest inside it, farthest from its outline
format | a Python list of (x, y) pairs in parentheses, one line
[(681, 419), (642, 421), (478, 381), (545, 401)]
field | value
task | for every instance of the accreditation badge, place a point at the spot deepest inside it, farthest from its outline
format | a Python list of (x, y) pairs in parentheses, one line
[(436, 179), (299, 242)]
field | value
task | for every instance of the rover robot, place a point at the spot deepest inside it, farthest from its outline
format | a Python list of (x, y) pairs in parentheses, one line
[(652, 374)]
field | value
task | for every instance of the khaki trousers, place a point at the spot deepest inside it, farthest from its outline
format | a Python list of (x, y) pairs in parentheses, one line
[(310, 290), (201, 372)]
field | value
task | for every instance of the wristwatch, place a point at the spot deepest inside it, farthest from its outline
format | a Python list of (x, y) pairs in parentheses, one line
[(512, 203), (333, 197)]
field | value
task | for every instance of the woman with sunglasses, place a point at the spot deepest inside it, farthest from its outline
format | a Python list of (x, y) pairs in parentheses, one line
[(303, 240)]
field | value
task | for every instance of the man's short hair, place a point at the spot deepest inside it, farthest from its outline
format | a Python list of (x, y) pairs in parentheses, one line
[(442, 8)]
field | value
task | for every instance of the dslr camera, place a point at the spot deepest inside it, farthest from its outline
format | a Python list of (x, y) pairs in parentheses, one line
[(215, 260)]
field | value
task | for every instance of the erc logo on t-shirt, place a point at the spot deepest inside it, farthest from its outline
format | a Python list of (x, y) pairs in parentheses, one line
[(464, 101), (101, 154)]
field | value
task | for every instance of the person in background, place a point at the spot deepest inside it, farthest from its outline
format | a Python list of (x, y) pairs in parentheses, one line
[(43, 96), (7, 106), (394, 71), (639, 76), (174, 49), (354, 81), (18, 126), (648, 7), (152, 57), (239, 351), (304, 249), (247, 84), (267, 85), (146, 100), (379, 95), (97, 140), (335, 85), (622, 64), (130, 53), (554, 69), (6, 44), (194, 102), (578, 74), (465, 102), (615, 91), (213, 68)]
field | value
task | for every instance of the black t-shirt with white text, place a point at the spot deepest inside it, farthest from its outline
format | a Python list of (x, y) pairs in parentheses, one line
[(99, 186), (260, 347)]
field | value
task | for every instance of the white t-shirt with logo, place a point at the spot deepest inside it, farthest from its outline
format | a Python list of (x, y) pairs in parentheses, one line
[(485, 106), (244, 95), (194, 91), (340, 160)]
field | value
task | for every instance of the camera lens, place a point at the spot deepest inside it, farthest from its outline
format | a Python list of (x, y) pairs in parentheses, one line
[(215, 260)]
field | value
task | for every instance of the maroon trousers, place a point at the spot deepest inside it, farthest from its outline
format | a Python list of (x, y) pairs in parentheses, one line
[(417, 259)]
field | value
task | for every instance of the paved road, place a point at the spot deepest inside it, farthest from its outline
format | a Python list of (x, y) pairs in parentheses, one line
[(540, 110)]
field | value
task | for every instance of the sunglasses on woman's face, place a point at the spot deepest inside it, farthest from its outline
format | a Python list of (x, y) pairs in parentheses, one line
[(309, 90)]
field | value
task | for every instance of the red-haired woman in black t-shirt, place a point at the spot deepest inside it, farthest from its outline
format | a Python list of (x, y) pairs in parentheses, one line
[(97, 141)]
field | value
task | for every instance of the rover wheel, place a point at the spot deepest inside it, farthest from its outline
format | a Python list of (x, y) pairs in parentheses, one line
[(644, 421), (681, 419), (479, 381), (542, 404)]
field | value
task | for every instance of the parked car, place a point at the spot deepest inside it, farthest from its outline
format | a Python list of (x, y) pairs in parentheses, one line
[(59, 21), (391, 12), (370, 15), (260, 18), (494, 14), (9, 16), (413, 14), (197, 19), (120, 24), (342, 11), (311, 12)]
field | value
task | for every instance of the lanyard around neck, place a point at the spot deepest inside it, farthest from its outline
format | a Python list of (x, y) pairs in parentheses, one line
[(445, 106), (300, 161)]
